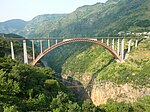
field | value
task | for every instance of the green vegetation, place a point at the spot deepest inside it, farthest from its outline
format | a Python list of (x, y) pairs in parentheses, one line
[(56, 61), (89, 60), (97, 61), (133, 70), (142, 105), (101, 19), (12, 26), (5, 46), (18, 48), (27, 88), (43, 21)]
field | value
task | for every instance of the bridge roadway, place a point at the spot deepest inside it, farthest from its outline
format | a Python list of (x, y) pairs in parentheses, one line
[(61, 38)]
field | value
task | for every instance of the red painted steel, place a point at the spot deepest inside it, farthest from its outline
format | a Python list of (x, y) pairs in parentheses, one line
[(76, 40)]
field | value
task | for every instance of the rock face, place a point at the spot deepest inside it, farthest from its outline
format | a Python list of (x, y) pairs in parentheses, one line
[(100, 93)]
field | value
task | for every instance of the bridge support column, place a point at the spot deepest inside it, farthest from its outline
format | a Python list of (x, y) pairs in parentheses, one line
[(102, 40), (48, 43), (107, 41), (41, 48), (122, 49), (113, 42), (33, 50), (12, 50), (118, 46), (129, 45), (136, 43), (25, 52), (56, 41)]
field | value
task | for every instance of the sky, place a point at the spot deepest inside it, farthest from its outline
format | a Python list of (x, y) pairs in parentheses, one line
[(27, 9)]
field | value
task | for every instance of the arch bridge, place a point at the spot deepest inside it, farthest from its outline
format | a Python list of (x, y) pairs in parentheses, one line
[(115, 45)]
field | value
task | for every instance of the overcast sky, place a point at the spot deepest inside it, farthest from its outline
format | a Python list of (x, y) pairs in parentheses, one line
[(27, 9)]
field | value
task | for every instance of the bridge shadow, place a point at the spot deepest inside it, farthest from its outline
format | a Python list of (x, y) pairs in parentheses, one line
[(91, 82)]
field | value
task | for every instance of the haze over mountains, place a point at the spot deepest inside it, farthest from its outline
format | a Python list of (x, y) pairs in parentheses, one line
[(100, 19), (12, 26)]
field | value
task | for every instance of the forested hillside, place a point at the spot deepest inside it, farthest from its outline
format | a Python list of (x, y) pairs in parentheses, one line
[(27, 88), (96, 70), (39, 25), (96, 60), (82, 77), (101, 19), (12, 26)]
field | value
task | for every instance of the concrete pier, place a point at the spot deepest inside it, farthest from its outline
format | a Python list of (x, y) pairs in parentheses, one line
[(33, 50), (136, 43), (41, 46), (122, 48), (25, 52), (48, 43), (12, 50), (118, 46), (107, 41), (102, 40), (56, 41), (113, 43), (129, 45)]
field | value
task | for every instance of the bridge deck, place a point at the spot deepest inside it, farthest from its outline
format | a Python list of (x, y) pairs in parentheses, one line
[(60, 38)]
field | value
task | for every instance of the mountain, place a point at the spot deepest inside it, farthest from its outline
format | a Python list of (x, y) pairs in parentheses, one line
[(39, 24), (104, 78), (99, 19), (27, 28), (12, 26)]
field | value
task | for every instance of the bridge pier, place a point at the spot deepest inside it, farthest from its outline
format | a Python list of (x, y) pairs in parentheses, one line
[(107, 41), (122, 49), (25, 52), (136, 43), (33, 50), (129, 45), (41, 49), (102, 40), (48, 43), (12, 50), (56, 41), (118, 46), (113, 42)]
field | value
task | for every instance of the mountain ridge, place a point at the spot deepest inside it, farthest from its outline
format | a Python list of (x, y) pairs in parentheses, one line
[(100, 19), (12, 26)]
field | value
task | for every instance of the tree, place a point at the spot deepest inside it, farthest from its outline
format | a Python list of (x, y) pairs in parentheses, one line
[(62, 103), (88, 106)]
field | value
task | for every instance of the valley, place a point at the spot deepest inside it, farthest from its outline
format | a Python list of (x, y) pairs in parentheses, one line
[(78, 76)]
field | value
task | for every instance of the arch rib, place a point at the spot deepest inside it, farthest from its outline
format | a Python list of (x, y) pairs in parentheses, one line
[(76, 40)]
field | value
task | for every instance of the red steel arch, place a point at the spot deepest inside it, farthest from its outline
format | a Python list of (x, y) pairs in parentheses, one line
[(76, 40)]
